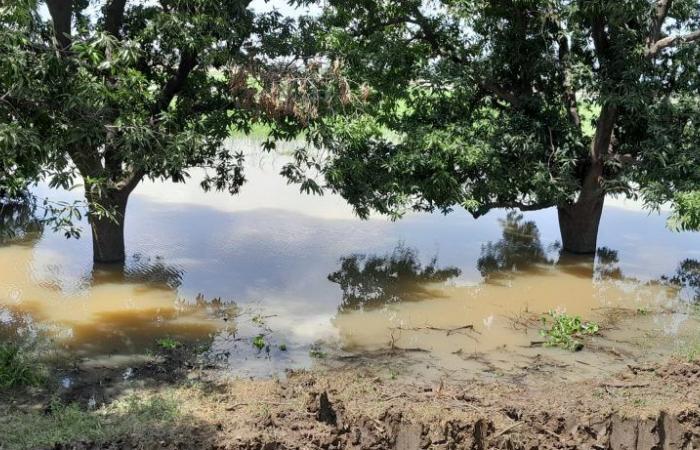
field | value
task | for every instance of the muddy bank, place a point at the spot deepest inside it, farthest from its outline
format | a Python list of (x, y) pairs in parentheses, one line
[(648, 407)]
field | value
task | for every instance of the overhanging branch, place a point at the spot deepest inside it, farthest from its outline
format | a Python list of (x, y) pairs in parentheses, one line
[(512, 205), (188, 61), (672, 41)]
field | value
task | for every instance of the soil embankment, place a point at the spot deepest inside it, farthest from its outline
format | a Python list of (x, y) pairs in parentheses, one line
[(650, 407)]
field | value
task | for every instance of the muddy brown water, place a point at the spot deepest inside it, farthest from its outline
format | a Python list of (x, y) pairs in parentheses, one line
[(430, 294)]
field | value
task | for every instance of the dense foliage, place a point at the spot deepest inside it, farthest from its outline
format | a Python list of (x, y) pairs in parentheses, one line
[(517, 103), (115, 91)]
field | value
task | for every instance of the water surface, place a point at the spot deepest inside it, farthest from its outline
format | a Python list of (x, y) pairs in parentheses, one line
[(443, 294)]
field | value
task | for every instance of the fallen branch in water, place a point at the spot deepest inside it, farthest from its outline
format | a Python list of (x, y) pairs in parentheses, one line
[(448, 331)]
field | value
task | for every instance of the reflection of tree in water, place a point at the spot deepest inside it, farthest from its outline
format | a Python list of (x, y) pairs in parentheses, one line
[(520, 248), (687, 278), (374, 281), (18, 222), (606, 266)]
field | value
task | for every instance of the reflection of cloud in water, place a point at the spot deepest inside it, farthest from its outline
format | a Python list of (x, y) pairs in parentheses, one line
[(273, 248)]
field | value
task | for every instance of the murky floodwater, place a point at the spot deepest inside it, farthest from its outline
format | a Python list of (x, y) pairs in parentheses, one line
[(307, 281)]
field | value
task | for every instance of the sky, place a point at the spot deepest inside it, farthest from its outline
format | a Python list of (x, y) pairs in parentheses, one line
[(257, 5)]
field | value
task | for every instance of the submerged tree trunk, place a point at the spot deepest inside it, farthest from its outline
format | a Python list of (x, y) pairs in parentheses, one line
[(578, 224), (108, 232), (578, 221)]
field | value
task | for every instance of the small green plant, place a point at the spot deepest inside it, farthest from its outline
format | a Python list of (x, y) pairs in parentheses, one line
[(566, 331), (317, 352), (259, 342), (642, 311), (168, 343), (17, 368), (283, 347), (639, 402), (689, 351), (259, 320)]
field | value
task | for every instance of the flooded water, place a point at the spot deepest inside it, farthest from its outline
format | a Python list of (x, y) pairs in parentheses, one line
[(272, 279)]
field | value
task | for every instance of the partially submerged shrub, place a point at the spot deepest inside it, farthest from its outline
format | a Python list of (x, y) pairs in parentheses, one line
[(17, 368), (566, 331)]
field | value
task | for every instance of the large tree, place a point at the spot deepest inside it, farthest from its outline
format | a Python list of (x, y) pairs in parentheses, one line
[(115, 91), (522, 104)]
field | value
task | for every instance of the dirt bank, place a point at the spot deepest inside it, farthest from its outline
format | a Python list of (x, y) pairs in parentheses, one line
[(651, 407)]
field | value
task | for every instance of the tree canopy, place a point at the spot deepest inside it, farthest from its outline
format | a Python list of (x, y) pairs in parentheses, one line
[(517, 103), (117, 91)]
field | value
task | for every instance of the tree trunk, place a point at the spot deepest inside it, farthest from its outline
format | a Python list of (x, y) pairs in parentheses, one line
[(108, 232), (578, 224)]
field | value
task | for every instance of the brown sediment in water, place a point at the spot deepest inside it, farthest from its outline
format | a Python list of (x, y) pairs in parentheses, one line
[(363, 288), (489, 328), (495, 326)]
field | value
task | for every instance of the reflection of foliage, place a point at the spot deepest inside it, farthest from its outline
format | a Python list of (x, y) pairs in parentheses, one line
[(18, 221), (520, 247), (373, 281), (687, 277), (23, 217), (606, 266), (566, 331)]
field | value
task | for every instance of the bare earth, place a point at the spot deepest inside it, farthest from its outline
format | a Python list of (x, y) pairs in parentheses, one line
[(650, 407)]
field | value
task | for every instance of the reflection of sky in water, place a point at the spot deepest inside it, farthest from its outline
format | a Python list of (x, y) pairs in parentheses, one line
[(269, 254), (272, 248)]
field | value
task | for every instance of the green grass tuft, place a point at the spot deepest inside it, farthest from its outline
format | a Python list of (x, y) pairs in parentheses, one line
[(168, 343), (18, 369), (689, 351), (69, 423)]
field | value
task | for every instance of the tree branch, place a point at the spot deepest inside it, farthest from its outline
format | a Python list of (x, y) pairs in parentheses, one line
[(600, 39), (130, 181), (430, 36), (603, 132), (114, 16), (672, 41), (61, 12), (188, 61), (569, 92), (657, 22), (512, 205)]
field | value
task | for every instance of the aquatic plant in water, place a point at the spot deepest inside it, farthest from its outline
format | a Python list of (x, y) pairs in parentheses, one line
[(566, 331)]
